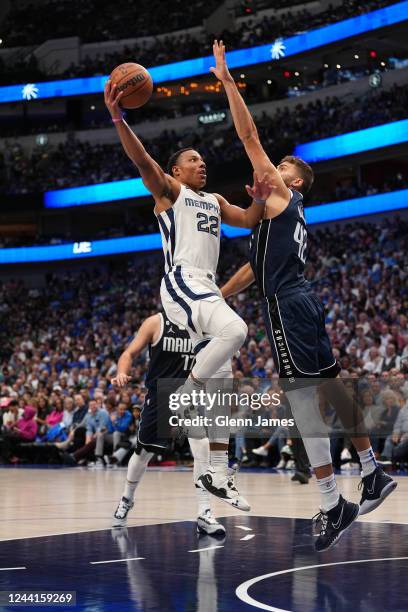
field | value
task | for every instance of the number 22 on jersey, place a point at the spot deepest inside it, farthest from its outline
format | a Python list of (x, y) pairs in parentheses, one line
[(207, 224)]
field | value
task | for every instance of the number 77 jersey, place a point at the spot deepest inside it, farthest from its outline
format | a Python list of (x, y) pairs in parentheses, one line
[(278, 249), (190, 231)]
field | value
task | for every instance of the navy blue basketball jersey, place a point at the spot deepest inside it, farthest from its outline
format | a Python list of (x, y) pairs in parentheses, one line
[(278, 249), (171, 356)]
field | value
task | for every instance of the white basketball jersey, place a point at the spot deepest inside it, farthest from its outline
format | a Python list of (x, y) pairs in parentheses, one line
[(190, 231)]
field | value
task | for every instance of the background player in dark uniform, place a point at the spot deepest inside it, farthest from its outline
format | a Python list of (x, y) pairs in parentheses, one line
[(171, 356), (295, 321)]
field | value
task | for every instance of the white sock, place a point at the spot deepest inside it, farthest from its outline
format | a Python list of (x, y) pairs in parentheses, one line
[(203, 500), (329, 494), (368, 462), (200, 450), (219, 460), (136, 469)]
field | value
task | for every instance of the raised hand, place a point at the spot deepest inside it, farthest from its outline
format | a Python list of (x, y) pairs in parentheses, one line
[(112, 99), (120, 380), (261, 189), (221, 68)]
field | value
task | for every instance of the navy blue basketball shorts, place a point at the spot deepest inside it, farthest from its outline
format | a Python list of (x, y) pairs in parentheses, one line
[(295, 324), (148, 432)]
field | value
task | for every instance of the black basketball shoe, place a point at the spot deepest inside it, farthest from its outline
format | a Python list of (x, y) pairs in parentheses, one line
[(334, 523), (376, 487)]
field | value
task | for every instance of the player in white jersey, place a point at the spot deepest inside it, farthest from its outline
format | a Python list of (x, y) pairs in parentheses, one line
[(190, 223)]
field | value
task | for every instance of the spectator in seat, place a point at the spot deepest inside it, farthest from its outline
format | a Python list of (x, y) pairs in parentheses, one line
[(99, 428), (259, 369), (121, 421), (391, 359), (396, 445), (392, 407), (374, 362), (57, 414), (80, 410), (11, 414), (68, 414), (25, 430)]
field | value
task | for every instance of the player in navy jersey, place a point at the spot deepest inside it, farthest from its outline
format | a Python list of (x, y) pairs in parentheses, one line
[(295, 322), (171, 357)]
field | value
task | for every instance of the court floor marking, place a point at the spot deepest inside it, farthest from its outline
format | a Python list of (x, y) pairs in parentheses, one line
[(11, 569), (181, 520), (242, 590), (243, 527), (247, 537), (208, 548), (116, 560)]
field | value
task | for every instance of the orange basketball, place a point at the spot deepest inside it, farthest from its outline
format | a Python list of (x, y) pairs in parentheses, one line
[(135, 82)]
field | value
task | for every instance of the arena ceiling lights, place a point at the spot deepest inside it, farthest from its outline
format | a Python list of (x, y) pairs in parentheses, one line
[(334, 211), (282, 47)]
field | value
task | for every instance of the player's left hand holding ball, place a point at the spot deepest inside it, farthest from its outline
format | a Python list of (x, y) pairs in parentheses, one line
[(120, 380)]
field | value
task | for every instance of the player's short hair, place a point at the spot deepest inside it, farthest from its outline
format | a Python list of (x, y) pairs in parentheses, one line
[(173, 159), (305, 171)]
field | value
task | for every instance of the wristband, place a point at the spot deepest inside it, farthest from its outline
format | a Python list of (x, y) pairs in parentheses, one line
[(116, 120), (260, 202)]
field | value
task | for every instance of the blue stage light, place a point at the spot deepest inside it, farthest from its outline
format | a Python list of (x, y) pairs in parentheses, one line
[(354, 142), (334, 211), (275, 50)]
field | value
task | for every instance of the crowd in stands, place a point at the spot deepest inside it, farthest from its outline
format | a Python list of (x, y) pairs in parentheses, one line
[(59, 344), (95, 21), (174, 48), (81, 163)]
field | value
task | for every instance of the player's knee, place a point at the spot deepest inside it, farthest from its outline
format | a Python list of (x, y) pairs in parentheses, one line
[(318, 451), (237, 330)]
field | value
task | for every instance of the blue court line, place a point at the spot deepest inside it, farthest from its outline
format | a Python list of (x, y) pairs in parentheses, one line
[(300, 43), (334, 211)]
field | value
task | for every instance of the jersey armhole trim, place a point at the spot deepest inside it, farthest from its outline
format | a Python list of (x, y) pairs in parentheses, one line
[(283, 209), (161, 330)]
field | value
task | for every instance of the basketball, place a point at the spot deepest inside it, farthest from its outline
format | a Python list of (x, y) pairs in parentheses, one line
[(136, 83)]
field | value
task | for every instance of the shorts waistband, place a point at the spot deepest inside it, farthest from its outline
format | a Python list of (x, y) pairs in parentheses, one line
[(196, 272), (284, 293)]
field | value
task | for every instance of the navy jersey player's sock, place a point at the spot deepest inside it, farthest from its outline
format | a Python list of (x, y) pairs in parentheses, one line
[(329, 494), (136, 468), (368, 462)]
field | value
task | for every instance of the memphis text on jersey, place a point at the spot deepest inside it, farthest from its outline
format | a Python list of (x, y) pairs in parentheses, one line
[(203, 205)]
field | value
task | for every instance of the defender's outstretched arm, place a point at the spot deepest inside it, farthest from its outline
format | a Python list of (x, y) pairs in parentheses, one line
[(244, 124)]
